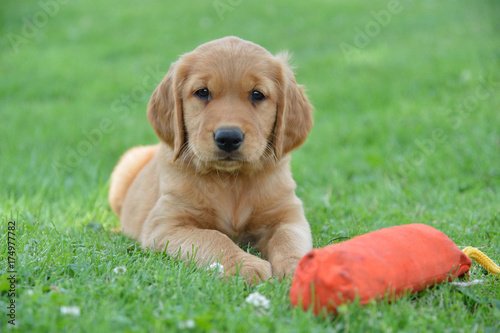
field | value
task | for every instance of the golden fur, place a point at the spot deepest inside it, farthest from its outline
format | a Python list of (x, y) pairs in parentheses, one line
[(187, 193)]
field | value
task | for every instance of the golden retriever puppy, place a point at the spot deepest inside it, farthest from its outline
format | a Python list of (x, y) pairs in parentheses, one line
[(228, 114)]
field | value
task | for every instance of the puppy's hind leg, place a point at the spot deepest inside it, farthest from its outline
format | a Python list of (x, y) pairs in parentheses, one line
[(125, 172)]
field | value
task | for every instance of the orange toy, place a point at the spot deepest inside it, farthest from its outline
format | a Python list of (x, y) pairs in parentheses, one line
[(385, 263)]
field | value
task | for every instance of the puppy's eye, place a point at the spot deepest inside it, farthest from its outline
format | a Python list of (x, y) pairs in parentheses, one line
[(203, 94), (256, 96)]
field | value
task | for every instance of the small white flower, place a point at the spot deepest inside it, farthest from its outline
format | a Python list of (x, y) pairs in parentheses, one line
[(258, 300), (188, 324), (29, 292), (120, 270), (466, 284), (70, 310), (216, 269)]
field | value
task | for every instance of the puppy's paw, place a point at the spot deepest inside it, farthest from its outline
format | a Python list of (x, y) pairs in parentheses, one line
[(285, 267), (253, 269)]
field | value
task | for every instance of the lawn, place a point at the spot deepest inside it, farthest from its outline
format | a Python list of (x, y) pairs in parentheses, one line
[(407, 129)]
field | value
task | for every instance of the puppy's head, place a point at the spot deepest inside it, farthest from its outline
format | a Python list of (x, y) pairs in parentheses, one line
[(230, 105)]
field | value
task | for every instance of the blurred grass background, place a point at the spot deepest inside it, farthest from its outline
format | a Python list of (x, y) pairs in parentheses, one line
[(406, 124)]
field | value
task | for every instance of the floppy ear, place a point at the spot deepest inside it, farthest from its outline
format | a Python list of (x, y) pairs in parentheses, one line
[(165, 112), (294, 116)]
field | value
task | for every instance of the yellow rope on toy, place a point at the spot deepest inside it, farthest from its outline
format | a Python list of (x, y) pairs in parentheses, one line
[(482, 259)]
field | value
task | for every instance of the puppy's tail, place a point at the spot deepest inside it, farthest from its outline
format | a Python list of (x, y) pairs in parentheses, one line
[(125, 172)]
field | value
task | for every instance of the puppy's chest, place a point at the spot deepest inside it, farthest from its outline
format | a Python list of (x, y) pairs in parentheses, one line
[(234, 210)]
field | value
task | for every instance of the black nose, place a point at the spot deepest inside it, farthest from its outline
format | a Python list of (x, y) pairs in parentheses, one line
[(228, 138)]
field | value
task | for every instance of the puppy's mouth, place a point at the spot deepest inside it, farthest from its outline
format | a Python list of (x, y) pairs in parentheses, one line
[(208, 161), (228, 161), (228, 157)]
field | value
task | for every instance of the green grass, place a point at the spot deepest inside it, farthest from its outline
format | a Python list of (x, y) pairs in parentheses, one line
[(406, 130)]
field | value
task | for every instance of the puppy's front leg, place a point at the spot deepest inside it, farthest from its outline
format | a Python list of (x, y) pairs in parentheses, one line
[(166, 227), (284, 247)]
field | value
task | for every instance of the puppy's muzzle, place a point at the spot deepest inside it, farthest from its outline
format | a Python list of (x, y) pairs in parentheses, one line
[(228, 139)]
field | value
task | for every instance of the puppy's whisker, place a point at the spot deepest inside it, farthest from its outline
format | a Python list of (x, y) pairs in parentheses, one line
[(185, 165), (185, 154), (186, 149), (191, 159), (218, 175), (269, 153)]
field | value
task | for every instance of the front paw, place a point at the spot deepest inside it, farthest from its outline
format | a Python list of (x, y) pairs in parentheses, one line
[(253, 269), (285, 267)]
